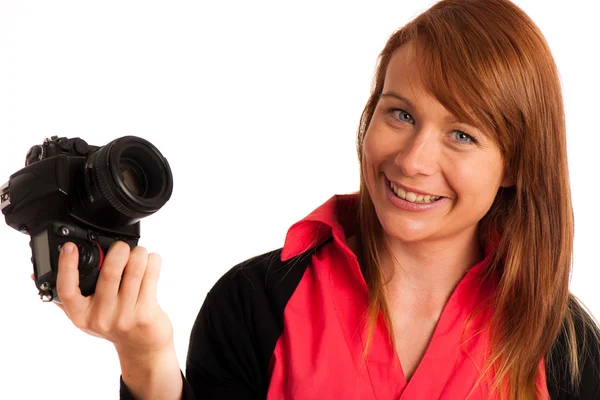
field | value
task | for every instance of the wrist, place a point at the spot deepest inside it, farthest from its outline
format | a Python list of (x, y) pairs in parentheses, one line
[(144, 356), (151, 375)]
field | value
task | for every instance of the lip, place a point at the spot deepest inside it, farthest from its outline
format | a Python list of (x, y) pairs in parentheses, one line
[(409, 189), (414, 207)]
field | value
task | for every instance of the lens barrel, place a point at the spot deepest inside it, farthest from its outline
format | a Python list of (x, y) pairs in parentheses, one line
[(126, 180)]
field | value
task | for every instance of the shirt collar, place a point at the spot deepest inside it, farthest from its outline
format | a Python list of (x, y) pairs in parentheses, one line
[(336, 217)]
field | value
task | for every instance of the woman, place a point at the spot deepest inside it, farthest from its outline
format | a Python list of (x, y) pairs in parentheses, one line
[(445, 276)]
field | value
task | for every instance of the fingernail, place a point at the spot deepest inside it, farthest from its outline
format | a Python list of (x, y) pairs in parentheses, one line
[(67, 248)]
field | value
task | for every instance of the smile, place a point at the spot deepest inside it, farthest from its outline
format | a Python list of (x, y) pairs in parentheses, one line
[(413, 197)]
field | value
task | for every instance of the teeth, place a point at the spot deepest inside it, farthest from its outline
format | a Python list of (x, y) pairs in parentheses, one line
[(413, 197)]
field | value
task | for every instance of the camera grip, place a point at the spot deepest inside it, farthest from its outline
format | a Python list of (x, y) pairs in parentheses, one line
[(45, 254)]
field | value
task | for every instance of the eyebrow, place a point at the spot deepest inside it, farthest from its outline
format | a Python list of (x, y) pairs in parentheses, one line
[(450, 118)]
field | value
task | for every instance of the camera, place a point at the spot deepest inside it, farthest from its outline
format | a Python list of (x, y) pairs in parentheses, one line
[(70, 191)]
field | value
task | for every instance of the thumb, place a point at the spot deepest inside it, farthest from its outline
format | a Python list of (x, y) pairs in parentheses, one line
[(67, 282), (69, 254)]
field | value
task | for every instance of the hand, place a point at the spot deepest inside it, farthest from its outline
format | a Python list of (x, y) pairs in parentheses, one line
[(124, 309)]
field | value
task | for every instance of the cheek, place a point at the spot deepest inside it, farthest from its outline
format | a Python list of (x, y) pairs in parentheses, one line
[(478, 180), (378, 146), (369, 147), (370, 160), (368, 165)]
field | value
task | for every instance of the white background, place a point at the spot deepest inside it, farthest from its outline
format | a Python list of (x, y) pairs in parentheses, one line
[(255, 105)]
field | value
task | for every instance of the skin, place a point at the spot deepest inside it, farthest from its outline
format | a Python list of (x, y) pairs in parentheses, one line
[(413, 141), (124, 310)]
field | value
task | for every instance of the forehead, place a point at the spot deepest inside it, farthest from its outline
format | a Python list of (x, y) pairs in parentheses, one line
[(402, 71)]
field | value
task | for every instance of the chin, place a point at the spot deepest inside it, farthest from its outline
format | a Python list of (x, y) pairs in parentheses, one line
[(407, 231)]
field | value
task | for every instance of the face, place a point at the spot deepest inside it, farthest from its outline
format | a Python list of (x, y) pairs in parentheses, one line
[(430, 176)]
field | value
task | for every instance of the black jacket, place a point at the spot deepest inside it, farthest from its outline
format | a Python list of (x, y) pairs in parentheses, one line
[(224, 362)]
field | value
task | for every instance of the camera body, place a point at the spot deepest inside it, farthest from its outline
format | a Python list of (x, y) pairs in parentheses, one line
[(70, 191)]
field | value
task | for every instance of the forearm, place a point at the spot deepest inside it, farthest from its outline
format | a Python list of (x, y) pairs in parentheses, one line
[(152, 376)]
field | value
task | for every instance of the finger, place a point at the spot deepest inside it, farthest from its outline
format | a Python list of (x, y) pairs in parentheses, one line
[(147, 295), (67, 283), (132, 279), (111, 273)]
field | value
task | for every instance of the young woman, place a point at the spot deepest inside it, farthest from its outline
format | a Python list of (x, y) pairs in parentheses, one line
[(445, 277)]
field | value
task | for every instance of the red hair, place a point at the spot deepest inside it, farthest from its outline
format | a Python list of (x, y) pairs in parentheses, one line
[(489, 64)]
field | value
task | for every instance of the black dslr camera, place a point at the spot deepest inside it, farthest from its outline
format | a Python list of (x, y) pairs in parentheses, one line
[(70, 191)]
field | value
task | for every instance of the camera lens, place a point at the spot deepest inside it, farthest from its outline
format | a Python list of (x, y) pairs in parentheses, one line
[(126, 180), (132, 178)]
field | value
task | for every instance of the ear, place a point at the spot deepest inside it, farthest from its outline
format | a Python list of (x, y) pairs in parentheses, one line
[(507, 180)]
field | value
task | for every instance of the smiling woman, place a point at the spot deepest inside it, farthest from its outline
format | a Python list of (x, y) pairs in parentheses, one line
[(467, 107), (445, 276)]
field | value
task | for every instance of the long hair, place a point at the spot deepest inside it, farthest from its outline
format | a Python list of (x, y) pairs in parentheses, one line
[(489, 64)]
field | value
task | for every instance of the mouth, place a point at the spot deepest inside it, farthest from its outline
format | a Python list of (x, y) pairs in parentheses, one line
[(413, 197)]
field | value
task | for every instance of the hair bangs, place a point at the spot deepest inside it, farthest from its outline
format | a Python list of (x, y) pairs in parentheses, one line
[(448, 74)]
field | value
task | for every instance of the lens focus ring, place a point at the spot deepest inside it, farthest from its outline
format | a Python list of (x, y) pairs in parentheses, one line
[(131, 176)]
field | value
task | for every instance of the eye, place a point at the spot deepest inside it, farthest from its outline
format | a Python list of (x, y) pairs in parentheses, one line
[(463, 138), (402, 115)]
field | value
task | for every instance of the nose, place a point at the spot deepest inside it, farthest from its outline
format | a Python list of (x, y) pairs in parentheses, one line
[(420, 153)]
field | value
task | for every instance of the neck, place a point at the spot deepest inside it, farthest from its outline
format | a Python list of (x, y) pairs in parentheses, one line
[(425, 274)]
